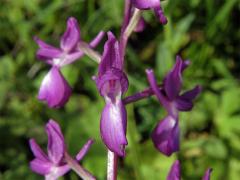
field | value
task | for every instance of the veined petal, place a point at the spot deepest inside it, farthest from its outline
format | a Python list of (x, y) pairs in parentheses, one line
[(111, 56), (166, 136), (37, 151), (46, 51), (146, 4), (71, 36), (113, 126), (175, 171), (207, 174), (54, 89), (40, 167), (56, 146), (173, 80)]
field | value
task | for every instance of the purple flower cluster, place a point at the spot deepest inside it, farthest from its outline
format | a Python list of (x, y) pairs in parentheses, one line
[(112, 84)]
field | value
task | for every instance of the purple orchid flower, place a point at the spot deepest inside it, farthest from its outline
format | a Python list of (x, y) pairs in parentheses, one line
[(169, 96), (54, 89), (175, 172), (151, 4), (112, 83), (53, 165)]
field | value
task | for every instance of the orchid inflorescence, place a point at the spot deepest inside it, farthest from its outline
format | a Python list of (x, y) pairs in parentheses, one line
[(112, 83)]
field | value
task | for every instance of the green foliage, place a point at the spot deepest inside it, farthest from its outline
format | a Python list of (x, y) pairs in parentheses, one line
[(206, 32)]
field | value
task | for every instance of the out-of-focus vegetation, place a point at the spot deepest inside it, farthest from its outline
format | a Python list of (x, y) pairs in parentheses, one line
[(205, 31)]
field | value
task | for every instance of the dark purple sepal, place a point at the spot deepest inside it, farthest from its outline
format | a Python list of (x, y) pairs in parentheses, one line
[(165, 136), (71, 36), (184, 102), (175, 171), (111, 56), (160, 15), (173, 81)]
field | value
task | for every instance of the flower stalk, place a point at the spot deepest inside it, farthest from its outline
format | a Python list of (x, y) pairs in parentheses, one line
[(94, 55), (112, 165), (84, 174)]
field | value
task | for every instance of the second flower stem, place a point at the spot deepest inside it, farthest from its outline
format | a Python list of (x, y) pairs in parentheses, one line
[(84, 174), (112, 165)]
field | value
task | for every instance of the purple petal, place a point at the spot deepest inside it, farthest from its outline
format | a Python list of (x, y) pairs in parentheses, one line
[(143, 4), (159, 13), (184, 102), (175, 171), (46, 51), (141, 25), (57, 172), (185, 63), (111, 56), (56, 146), (165, 136), (113, 126), (191, 94), (54, 89), (113, 81), (97, 39), (40, 167), (73, 56), (173, 81), (37, 151), (153, 84), (71, 36), (207, 174), (84, 150)]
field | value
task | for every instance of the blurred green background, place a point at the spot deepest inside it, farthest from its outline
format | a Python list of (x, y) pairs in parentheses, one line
[(205, 31)]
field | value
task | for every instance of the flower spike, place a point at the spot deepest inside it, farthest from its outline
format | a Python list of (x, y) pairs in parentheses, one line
[(54, 89), (112, 83)]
